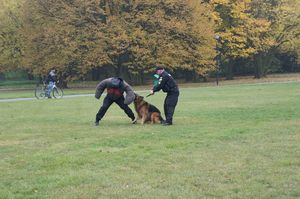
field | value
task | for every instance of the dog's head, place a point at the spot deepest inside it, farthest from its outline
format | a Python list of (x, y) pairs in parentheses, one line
[(138, 98)]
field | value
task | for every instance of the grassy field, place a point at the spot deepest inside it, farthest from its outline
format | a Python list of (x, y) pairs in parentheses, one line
[(238, 141), (11, 94)]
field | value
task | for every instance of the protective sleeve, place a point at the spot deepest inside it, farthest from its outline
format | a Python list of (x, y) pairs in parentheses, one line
[(130, 96), (100, 88)]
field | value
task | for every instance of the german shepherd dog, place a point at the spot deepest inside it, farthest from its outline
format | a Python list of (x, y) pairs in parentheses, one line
[(146, 112)]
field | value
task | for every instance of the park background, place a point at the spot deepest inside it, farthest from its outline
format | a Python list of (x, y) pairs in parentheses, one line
[(195, 40)]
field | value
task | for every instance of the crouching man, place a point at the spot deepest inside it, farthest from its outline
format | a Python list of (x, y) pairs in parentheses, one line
[(115, 89)]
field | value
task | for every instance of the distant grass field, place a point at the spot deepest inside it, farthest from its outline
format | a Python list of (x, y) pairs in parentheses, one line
[(237, 141), (11, 94), (25, 89)]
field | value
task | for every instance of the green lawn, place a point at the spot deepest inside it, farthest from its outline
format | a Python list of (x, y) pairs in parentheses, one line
[(30, 93), (227, 142)]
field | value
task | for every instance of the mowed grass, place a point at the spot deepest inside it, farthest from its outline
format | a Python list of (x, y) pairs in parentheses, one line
[(12, 94), (227, 142)]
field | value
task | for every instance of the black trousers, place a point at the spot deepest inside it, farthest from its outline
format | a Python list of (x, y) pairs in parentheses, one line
[(106, 104), (169, 106)]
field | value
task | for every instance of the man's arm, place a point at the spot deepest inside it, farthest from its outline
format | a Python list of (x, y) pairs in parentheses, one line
[(100, 88), (160, 85), (130, 96)]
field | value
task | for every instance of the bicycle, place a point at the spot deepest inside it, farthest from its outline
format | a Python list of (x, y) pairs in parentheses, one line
[(41, 91)]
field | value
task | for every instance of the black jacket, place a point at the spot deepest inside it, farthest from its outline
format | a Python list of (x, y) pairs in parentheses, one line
[(51, 78), (166, 83)]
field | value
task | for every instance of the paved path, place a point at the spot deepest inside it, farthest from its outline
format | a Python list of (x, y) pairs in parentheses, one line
[(65, 96), (33, 98)]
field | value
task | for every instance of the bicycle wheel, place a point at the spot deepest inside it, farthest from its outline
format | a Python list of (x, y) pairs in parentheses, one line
[(40, 92), (57, 93)]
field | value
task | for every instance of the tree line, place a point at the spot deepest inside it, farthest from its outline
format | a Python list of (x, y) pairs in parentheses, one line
[(194, 39)]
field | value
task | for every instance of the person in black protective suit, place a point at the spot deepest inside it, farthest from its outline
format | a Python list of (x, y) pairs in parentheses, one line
[(169, 86), (115, 89)]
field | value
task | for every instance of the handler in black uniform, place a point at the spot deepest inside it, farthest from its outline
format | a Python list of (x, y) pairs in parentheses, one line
[(115, 88), (169, 86)]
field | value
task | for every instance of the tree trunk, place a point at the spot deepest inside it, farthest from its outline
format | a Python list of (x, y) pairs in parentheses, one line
[(30, 76), (196, 77), (229, 70), (62, 81), (262, 63)]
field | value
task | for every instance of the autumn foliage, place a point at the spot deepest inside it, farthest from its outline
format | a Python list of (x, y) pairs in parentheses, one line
[(99, 38)]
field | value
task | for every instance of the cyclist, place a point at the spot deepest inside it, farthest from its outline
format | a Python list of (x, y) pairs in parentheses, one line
[(51, 79)]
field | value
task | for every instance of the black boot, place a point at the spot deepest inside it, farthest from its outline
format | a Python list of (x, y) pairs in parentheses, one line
[(165, 123)]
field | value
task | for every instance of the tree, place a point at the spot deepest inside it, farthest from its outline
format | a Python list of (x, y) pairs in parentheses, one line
[(10, 39), (241, 34), (67, 35), (128, 36), (283, 16), (286, 30)]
